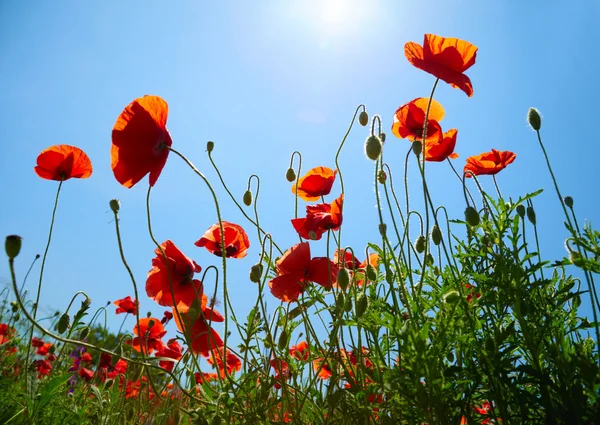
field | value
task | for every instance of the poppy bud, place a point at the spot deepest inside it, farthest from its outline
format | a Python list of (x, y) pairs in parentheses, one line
[(575, 258), (471, 216), (362, 303), (210, 146), (256, 273), (373, 147), (436, 234), (451, 297), (14, 306), (382, 136), (371, 273), (17, 317), (381, 177), (247, 198), (534, 118), (283, 340), (13, 246), (569, 201), (108, 383), (429, 259), (521, 210), (343, 278), (84, 333), (420, 244), (417, 147), (531, 215), (389, 276), (115, 205), (363, 118), (339, 300), (290, 175), (382, 229), (63, 323)]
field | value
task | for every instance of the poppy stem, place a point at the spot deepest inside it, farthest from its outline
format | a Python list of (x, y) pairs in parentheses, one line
[(465, 189), (297, 180), (497, 188), (256, 203), (27, 274), (337, 155)]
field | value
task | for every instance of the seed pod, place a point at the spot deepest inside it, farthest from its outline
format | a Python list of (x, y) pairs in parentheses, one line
[(531, 215), (417, 147), (471, 216), (247, 198), (256, 273), (343, 278), (283, 340), (115, 205), (210, 146), (363, 118), (420, 244), (290, 175), (371, 273), (521, 210), (436, 234), (63, 323), (13, 246), (362, 303), (569, 201), (451, 297), (373, 147), (534, 118)]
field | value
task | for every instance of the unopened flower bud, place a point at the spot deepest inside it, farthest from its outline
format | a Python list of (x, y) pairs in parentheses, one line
[(531, 215), (569, 201), (63, 323), (363, 118), (256, 273), (382, 229), (13, 246), (362, 303), (210, 146), (471, 216), (373, 147), (417, 147), (534, 118), (340, 300), (381, 176), (14, 306), (283, 340), (247, 198), (420, 244), (451, 297), (521, 210), (371, 273), (290, 175), (343, 278), (84, 333), (382, 136), (115, 205), (436, 234), (108, 383)]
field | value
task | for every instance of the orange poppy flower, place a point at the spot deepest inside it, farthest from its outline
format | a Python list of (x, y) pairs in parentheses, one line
[(148, 336), (126, 305), (140, 140), (322, 368), (300, 351), (63, 162), (444, 58), (442, 149), (489, 162), (316, 183), (171, 350), (319, 218), (236, 240), (176, 269), (203, 377), (231, 361), (203, 338), (296, 267), (409, 120)]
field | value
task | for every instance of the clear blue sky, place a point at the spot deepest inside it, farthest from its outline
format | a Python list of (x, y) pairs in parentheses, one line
[(263, 79)]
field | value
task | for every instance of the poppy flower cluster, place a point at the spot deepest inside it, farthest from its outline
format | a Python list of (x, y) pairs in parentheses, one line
[(356, 268), (319, 219), (46, 350)]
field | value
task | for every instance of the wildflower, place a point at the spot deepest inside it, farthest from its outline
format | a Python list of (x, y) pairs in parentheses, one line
[(148, 335), (43, 368), (322, 369), (140, 141), (295, 268), (86, 374), (314, 184), (171, 350), (282, 371), (173, 275), (203, 377), (235, 238), (224, 360), (6, 333), (444, 58), (409, 120), (300, 351), (489, 162), (63, 162), (44, 349), (126, 305), (86, 357), (442, 149), (350, 262), (203, 338), (320, 218), (167, 316)]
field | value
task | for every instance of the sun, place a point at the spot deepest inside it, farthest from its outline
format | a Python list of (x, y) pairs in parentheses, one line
[(337, 16)]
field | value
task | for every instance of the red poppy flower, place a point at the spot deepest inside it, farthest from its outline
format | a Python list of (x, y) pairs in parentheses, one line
[(6, 333), (295, 268), (86, 357), (316, 183), (171, 350), (44, 349), (300, 351), (236, 240), (203, 377), (282, 371), (43, 368), (126, 305), (319, 219), (167, 316), (223, 360), (444, 58), (86, 374), (409, 120), (63, 162), (323, 370), (438, 151), (118, 369), (140, 140), (203, 338), (36, 342), (176, 269), (148, 336), (489, 162)]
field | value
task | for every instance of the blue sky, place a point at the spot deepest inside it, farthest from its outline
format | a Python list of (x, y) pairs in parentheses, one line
[(263, 79)]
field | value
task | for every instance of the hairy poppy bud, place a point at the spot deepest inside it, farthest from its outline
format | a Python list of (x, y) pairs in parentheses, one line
[(429, 259), (417, 147), (373, 147), (256, 273), (531, 215), (362, 303), (382, 136), (63, 323), (521, 210), (451, 297), (471, 216), (115, 205), (84, 333), (381, 176), (290, 175), (436, 234), (389, 276), (363, 118), (340, 300), (343, 278), (283, 340), (534, 118), (371, 273), (14, 306), (569, 201), (247, 198), (13, 246), (420, 244), (210, 146), (382, 229)]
